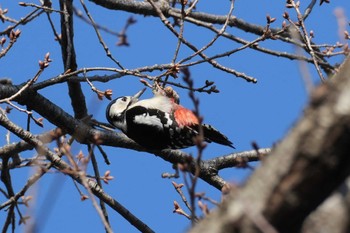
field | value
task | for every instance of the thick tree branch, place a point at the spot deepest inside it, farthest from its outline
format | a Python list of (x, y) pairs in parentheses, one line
[(331, 216), (69, 59), (314, 156), (63, 166), (144, 8), (15, 148)]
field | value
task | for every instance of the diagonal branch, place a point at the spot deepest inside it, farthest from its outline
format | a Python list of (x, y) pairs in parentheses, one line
[(63, 166)]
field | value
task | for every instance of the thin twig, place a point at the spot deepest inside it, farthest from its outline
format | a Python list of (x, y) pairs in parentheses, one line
[(20, 91), (120, 73), (45, 8), (182, 26), (104, 45), (97, 174), (178, 188), (104, 154), (57, 36), (13, 35), (179, 39), (193, 5), (307, 40), (23, 20), (200, 145), (218, 34), (228, 53), (257, 47), (81, 16), (309, 9), (214, 63)]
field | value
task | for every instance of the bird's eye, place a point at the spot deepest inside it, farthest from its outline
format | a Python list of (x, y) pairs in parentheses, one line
[(124, 99)]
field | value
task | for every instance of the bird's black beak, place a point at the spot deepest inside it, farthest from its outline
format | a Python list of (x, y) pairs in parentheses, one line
[(136, 97)]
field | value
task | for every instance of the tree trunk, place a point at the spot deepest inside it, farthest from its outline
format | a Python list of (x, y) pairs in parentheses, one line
[(301, 172)]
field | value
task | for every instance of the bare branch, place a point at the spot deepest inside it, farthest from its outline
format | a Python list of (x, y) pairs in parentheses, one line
[(105, 47), (69, 61), (63, 166)]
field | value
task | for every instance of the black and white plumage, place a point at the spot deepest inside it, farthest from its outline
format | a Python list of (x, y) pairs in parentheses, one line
[(159, 122)]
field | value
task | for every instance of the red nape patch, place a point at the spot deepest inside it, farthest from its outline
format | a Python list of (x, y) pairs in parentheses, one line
[(185, 117)]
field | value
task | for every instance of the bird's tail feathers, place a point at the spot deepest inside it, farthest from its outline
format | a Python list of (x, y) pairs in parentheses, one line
[(212, 134)]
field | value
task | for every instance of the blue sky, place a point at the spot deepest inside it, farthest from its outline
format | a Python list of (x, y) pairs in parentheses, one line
[(245, 112)]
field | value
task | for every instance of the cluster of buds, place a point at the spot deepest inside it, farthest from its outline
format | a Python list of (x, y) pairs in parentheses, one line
[(2, 14), (107, 176), (107, 93), (285, 15), (179, 210), (212, 87), (291, 4), (203, 207), (328, 51), (177, 186), (346, 35), (100, 94), (2, 41), (267, 32), (13, 35), (269, 19), (46, 62)]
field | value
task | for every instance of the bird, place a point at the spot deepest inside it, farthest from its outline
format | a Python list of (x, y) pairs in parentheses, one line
[(159, 122)]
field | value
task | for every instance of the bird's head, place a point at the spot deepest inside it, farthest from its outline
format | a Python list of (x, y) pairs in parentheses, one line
[(115, 112)]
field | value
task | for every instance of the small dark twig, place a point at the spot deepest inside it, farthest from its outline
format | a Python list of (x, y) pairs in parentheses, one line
[(42, 66), (45, 8), (123, 38), (32, 15), (200, 144), (307, 39), (81, 16), (104, 154), (214, 63), (104, 45), (100, 94), (97, 174), (13, 36)]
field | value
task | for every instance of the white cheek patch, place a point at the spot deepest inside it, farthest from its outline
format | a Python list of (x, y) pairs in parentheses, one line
[(146, 119), (118, 107)]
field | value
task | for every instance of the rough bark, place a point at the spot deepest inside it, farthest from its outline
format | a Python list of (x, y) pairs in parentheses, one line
[(302, 171)]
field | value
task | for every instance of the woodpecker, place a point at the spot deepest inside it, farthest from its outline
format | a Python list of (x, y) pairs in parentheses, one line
[(159, 122)]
